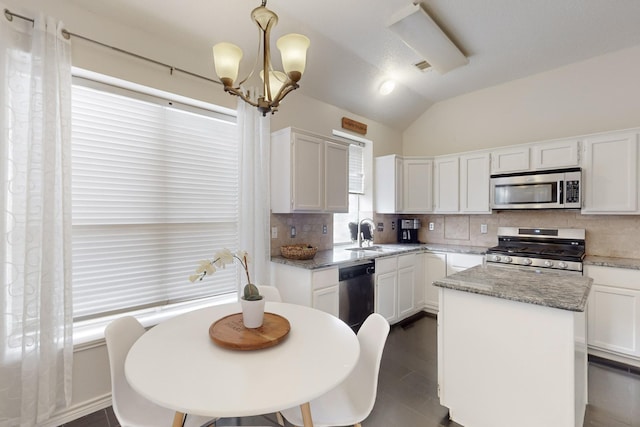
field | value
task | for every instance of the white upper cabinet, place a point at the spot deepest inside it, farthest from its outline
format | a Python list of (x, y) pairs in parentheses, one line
[(336, 189), (403, 185), (474, 183), (417, 189), (461, 183), (539, 156), (512, 159), (609, 173), (388, 184), (309, 173), (447, 184), (555, 154)]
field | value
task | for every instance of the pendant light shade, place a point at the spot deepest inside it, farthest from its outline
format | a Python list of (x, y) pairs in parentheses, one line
[(293, 48), (226, 57), (277, 79)]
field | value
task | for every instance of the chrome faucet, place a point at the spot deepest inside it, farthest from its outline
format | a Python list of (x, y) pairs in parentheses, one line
[(360, 231)]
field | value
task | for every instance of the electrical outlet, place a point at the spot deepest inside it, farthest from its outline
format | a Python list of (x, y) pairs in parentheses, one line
[(324, 228), (483, 228), (432, 226), (274, 232), (293, 231), (381, 226)]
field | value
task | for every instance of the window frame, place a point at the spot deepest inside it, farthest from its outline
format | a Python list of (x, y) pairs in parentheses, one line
[(90, 329)]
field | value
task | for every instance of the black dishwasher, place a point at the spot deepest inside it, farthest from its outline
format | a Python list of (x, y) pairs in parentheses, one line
[(357, 289)]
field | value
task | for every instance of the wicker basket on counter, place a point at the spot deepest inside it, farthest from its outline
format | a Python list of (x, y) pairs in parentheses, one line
[(299, 251)]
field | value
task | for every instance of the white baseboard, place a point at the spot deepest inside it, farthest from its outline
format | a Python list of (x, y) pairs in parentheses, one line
[(78, 411)]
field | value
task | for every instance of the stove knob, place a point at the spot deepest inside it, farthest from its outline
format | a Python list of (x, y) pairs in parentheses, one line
[(548, 264), (527, 261), (563, 265), (507, 259), (496, 258)]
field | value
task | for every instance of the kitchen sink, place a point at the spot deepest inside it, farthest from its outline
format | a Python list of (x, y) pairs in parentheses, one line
[(374, 248), (366, 248)]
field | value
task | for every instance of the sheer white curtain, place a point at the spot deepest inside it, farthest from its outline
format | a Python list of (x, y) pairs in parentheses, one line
[(36, 346), (255, 143)]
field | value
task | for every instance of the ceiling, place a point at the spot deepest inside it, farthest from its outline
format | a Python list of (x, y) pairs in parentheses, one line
[(352, 51)]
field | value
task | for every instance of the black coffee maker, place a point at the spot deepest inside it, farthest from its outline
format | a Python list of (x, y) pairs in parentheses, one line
[(408, 230)]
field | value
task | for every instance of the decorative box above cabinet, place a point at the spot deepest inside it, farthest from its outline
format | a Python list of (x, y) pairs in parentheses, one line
[(309, 172)]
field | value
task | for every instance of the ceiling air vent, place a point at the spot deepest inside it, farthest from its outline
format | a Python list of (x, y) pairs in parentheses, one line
[(420, 32), (423, 66)]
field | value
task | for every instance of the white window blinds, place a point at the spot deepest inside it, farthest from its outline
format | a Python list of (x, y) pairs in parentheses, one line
[(356, 169), (155, 190)]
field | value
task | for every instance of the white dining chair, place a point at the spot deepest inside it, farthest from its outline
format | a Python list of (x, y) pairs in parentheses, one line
[(352, 400), (270, 293), (131, 409)]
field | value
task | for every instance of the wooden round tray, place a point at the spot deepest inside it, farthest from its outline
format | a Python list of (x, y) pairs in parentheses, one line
[(229, 332)]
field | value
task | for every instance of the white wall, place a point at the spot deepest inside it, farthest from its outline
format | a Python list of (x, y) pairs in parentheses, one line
[(315, 116), (189, 54), (596, 95), (91, 386)]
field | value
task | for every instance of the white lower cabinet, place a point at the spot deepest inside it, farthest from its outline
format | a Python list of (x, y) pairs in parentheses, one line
[(435, 267), (313, 288), (327, 300), (406, 284), (395, 286), (613, 314), (458, 262)]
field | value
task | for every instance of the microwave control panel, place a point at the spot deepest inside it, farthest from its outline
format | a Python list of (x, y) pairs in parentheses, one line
[(572, 192)]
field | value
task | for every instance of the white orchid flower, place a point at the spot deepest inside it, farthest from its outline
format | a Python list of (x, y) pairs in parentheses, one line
[(223, 258), (204, 266), (220, 260)]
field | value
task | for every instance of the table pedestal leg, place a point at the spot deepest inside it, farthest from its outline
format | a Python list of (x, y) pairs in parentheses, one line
[(306, 414), (177, 419)]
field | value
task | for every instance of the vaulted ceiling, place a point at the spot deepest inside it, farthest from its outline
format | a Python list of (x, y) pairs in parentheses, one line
[(352, 50)]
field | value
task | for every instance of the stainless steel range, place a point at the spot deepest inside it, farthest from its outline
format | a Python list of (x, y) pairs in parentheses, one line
[(552, 248)]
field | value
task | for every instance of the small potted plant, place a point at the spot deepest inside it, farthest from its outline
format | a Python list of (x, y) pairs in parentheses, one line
[(251, 300)]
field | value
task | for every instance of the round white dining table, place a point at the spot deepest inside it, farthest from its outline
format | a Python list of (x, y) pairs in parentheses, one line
[(176, 364)]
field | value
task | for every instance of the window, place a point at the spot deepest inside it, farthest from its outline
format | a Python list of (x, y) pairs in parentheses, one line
[(341, 232), (356, 169), (154, 190)]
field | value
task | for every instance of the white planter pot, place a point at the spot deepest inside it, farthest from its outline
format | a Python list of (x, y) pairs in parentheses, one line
[(252, 313)]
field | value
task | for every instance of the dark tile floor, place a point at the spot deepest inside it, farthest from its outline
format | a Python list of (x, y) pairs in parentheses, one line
[(407, 389)]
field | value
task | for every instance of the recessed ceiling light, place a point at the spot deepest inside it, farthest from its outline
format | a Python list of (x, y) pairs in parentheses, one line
[(387, 87)]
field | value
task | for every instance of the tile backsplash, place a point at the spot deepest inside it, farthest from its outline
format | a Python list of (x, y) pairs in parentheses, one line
[(308, 229), (606, 235)]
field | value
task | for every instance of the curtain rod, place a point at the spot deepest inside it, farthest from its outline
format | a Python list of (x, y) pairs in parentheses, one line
[(68, 34)]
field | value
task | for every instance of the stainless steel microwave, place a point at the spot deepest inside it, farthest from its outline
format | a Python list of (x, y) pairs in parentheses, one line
[(551, 189)]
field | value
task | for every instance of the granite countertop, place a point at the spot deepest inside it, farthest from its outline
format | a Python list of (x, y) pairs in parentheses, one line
[(527, 285), (341, 256), (628, 263)]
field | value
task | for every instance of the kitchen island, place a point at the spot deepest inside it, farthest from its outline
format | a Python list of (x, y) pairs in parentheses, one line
[(512, 347)]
